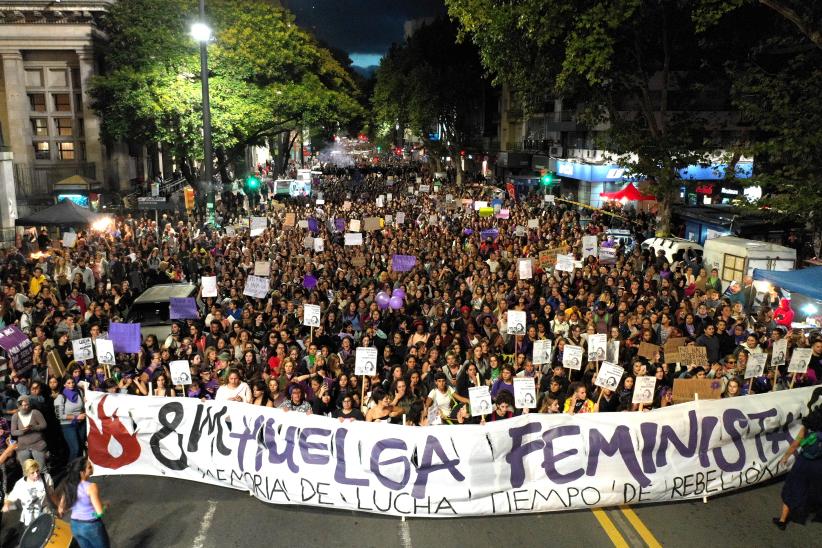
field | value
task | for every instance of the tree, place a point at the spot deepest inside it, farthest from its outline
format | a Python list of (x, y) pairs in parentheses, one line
[(267, 77), (432, 82), (636, 66)]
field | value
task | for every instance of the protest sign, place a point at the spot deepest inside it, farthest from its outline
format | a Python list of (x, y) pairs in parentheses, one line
[(612, 353), (311, 315), (257, 225), (548, 257), (319, 245), (208, 286), (779, 352), (533, 223), (480, 401), (82, 349), (549, 198), (524, 269), (589, 246), (353, 238), (380, 201), (365, 361), (644, 387), (55, 363), (503, 213), (572, 357), (447, 471), (671, 349), (354, 225), (403, 263), (372, 223), (433, 219), (180, 372), (800, 359), (290, 219), (609, 376), (18, 345), (516, 322), (691, 389), (358, 261), (400, 217), (756, 365), (262, 268), (256, 286), (692, 354), (303, 223), (308, 242), (486, 211), (525, 393), (105, 351), (183, 308), (69, 239), (648, 350), (607, 255), (565, 263), (425, 188), (125, 336), (597, 347), (542, 352)]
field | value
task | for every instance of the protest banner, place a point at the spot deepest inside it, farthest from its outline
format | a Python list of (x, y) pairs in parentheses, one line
[(257, 225), (180, 372), (500, 468), (311, 315), (403, 263), (548, 257), (183, 308), (125, 336), (565, 263), (262, 268), (542, 352), (671, 349), (609, 376), (353, 238), (648, 350), (524, 269), (256, 286), (105, 351), (82, 349), (208, 286), (525, 393), (589, 246), (779, 351), (597, 347), (572, 357), (644, 387), (549, 198), (365, 361), (18, 346), (480, 401), (425, 188), (516, 322), (691, 389)]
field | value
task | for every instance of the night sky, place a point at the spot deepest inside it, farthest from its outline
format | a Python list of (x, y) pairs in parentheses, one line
[(365, 29)]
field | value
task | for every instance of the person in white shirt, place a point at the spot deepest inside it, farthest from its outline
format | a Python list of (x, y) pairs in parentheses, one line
[(32, 492), (234, 390), (440, 396)]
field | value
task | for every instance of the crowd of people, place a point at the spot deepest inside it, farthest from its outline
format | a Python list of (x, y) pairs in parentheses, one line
[(447, 332)]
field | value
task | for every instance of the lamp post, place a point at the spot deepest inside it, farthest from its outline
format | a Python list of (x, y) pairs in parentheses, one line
[(201, 32)]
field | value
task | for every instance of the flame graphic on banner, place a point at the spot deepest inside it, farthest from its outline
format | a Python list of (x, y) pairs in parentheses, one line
[(98, 440)]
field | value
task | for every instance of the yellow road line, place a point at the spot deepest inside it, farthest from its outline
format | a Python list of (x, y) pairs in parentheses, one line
[(640, 527), (609, 528)]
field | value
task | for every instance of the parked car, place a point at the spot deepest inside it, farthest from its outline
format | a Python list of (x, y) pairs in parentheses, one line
[(673, 247), (152, 308)]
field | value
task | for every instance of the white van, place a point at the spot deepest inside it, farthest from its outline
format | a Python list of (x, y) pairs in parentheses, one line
[(671, 246), (734, 258)]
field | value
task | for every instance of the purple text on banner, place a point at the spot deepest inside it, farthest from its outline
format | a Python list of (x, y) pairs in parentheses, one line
[(18, 346), (125, 336), (403, 263), (492, 233), (183, 308)]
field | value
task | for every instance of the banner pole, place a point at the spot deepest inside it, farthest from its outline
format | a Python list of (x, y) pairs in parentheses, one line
[(775, 375), (793, 380), (750, 386), (362, 393)]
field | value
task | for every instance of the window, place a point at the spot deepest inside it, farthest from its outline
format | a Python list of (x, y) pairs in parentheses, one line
[(64, 127), (62, 102), (37, 102), (41, 150), (58, 78), (81, 128), (40, 127), (78, 102), (66, 150), (75, 78), (34, 78), (733, 268)]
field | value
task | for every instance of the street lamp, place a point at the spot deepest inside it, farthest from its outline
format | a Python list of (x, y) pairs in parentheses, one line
[(201, 32)]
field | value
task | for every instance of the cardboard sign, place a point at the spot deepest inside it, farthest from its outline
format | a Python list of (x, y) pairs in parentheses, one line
[(358, 261), (290, 219), (480, 401), (516, 322), (597, 347), (542, 352), (644, 390), (180, 372), (671, 349), (311, 315), (262, 268), (609, 376), (800, 359), (707, 389), (353, 238), (82, 349), (55, 363), (691, 354), (354, 225), (105, 351), (257, 225), (524, 269), (365, 362), (548, 257), (208, 286), (779, 353), (256, 286), (372, 224), (525, 393), (648, 350), (572, 357), (756, 365), (565, 263)]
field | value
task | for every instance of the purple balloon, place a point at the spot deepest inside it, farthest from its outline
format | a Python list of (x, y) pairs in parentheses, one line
[(383, 300), (395, 302), (398, 293)]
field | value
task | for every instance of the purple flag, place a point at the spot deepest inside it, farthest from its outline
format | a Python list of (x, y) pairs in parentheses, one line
[(403, 263), (312, 224), (125, 336), (340, 224), (309, 281), (492, 233), (183, 308), (468, 231)]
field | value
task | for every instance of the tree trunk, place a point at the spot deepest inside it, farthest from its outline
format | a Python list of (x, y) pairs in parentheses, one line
[(222, 166)]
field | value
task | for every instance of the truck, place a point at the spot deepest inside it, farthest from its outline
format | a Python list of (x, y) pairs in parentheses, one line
[(734, 257)]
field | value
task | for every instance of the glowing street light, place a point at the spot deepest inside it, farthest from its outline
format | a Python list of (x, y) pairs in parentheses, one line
[(201, 32)]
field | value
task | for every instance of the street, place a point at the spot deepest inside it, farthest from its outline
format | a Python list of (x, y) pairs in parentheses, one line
[(148, 511)]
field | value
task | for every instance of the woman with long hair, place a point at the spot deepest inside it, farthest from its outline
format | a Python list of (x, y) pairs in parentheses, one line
[(80, 500)]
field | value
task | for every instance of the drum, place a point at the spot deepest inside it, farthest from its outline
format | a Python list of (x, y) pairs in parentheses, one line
[(46, 532)]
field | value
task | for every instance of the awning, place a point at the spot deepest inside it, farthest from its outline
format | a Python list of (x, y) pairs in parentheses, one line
[(807, 281), (65, 213), (629, 193)]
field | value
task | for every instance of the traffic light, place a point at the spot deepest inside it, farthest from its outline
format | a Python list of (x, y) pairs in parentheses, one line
[(379, 149), (547, 179), (252, 184)]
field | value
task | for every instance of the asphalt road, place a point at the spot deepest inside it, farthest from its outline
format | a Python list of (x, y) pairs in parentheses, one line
[(149, 511)]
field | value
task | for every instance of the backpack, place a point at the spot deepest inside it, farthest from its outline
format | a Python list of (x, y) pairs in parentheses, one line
[(811, 447)]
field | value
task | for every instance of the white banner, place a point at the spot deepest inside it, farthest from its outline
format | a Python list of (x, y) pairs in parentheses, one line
[(531, 463)]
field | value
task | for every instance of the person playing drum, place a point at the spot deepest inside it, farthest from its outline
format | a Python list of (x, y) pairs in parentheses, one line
[(31, 491)]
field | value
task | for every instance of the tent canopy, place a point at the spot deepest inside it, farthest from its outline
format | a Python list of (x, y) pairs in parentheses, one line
[(629, 192), (65, 213), (807, 281)]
